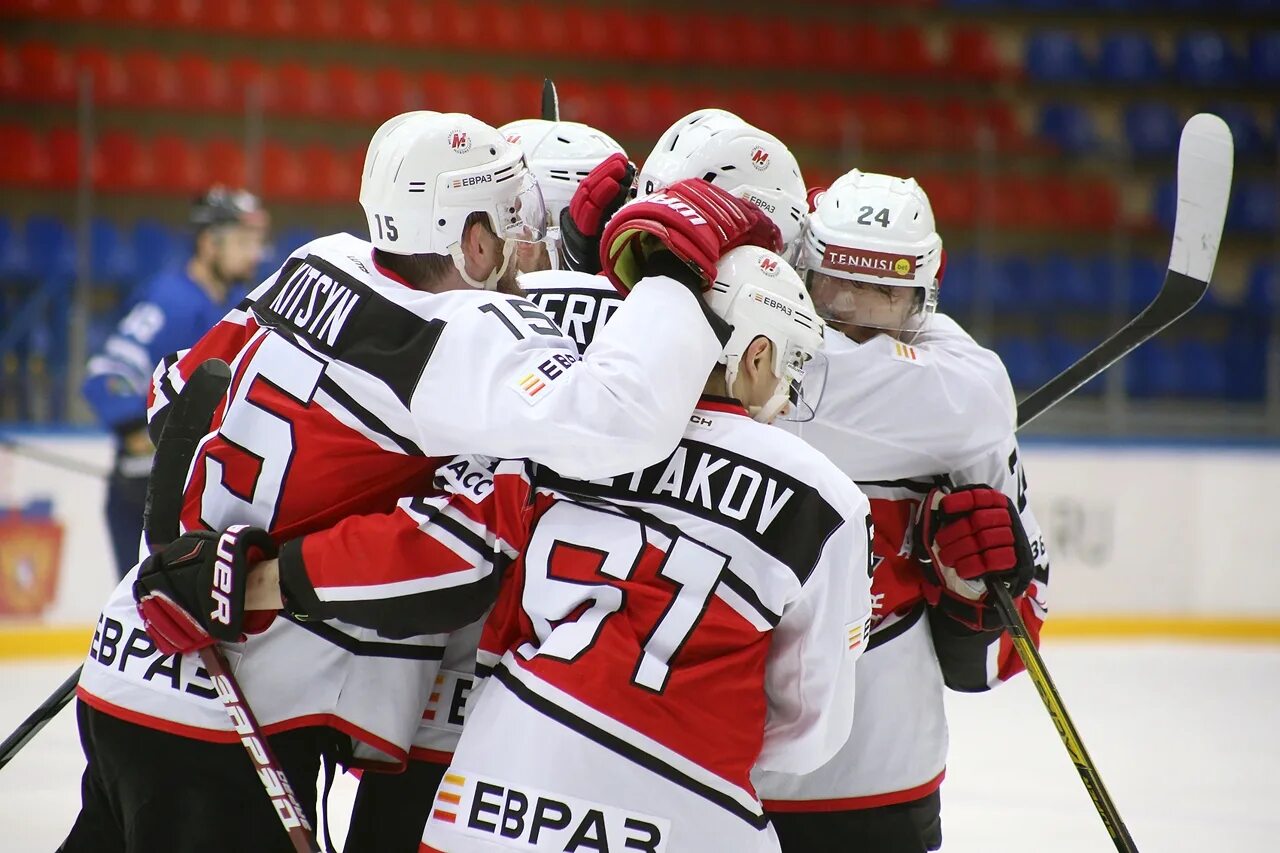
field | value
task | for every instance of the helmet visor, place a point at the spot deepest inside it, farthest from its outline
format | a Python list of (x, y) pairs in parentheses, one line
[(893, 307), (805, 375), (520, 214)]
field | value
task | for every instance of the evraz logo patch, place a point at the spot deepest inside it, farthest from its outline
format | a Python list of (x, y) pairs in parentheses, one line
[(525, 818)]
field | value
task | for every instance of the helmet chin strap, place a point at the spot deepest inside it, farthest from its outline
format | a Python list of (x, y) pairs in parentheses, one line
[(490, 283)]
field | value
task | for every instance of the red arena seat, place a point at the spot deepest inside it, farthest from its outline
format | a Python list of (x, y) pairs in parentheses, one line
[(26, 158), (298, 90), (224, 162), (126, 166), (110, 82), (283, 175), (64, 158), (152, 80), (972, 52), (351, 92), (244, 76), (202, 84), (178, 168), (44, 73)]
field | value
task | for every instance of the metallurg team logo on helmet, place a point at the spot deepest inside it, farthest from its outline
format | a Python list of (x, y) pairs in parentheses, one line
[(759, 158), (769, 266), (460, 142), (867, 262)]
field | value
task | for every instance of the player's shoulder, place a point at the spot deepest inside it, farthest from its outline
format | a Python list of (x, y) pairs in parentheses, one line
[(568, 281), (783, 452)]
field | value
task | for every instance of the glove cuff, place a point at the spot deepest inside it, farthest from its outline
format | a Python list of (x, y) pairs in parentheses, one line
[(296, 591), (580, 252)]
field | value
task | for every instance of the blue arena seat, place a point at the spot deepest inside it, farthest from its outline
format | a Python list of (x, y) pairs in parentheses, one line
[(1129, 57), (1016, 285), (14, 263), (1206, 58), (1142, 280), (155, 248), (1264, 58), (1074, 284), (1026, 362), (1164, 203), (1055, 56), (1153, 370), (51, 249), (1151, 128), (1203, 369), (1263, 294), (1245, 360), (1062, 352), (1255, 207), (1246, 132), (113, 257), (958, 283), (1069, 127)]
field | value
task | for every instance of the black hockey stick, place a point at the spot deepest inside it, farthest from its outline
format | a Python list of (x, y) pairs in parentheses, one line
[(550, 101), (181, 435), (1204, 185), (187, 422)]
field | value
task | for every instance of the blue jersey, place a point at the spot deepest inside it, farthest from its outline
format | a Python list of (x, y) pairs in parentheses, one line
[(172, 313)]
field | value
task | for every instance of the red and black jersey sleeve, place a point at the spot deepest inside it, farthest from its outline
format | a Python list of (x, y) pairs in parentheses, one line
[(430, 566)]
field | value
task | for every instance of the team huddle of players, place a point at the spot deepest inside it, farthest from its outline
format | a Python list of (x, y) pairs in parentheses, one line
[(644, 478)]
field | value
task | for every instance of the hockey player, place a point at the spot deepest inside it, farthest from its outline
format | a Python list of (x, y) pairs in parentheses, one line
[(172, 311), (664, 630), (922, 418), (356, 369), (560, 155), (711, 144)]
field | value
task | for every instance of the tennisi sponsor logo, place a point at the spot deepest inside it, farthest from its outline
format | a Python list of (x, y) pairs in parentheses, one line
[(880, 264)]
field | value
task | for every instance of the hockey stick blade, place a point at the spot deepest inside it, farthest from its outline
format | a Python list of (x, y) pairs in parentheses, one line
[(187, 422), (550, 101), (1204, 185)]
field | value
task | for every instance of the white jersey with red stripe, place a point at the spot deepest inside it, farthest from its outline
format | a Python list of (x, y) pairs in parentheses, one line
[(660, 634), (348, 389), (899, 419)]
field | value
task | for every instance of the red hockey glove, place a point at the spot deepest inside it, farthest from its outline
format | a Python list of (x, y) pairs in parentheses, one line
[(692, 219), (190, 594), (965, 538), (604, 190)]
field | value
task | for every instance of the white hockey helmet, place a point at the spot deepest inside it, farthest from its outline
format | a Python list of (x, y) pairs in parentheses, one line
[(758, 293), (425, 173), (561, 154), (737, 157), (879, 230)]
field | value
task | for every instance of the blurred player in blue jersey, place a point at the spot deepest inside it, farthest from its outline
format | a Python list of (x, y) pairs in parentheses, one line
[(171, 312)]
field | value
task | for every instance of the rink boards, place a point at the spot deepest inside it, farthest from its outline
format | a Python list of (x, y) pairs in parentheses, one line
[(1156, 538)]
